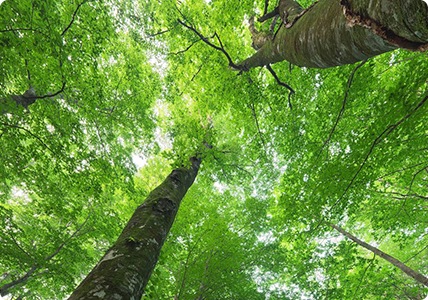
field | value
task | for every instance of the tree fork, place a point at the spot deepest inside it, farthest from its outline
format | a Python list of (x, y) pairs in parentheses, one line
[(333, 32), (123, 272)]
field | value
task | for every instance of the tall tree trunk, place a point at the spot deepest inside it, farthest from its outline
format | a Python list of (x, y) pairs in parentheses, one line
[(125, 269), (412, 273), (338, 32)]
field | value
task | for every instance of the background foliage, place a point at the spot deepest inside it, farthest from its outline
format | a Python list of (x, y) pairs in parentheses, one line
[(130, 81)]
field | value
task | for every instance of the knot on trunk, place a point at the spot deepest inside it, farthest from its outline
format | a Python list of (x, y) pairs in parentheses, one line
[(259, 38)]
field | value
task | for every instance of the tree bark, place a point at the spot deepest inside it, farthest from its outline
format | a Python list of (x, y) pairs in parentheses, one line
[(392, 260), (337, 32), (125, 269)]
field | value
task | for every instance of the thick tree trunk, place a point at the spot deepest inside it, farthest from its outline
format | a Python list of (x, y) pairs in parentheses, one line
[(412, 273), (126, 267), (338, 32)]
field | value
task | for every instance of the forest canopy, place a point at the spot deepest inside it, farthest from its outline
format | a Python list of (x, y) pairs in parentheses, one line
[(306, 120)]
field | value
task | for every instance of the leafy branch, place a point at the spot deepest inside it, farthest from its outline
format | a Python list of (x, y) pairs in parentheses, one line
[(185, 50), (72, 19), (74, 234), (206, 41), (5, 289), (251, 105), (362, 277), (282, 84), (385, 133), (345, 99), (30, 133)]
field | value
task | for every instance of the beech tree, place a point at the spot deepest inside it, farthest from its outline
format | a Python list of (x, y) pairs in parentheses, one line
[(90, 88), (332, 33)]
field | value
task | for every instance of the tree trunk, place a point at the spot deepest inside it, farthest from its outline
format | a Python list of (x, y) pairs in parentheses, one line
[(125, 269), (412, 273), (337, 32)]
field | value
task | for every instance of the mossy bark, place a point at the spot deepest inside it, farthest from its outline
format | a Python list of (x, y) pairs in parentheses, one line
[(126, 267), (338, 32)]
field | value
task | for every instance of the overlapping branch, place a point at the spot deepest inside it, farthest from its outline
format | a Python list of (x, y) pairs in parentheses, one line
[(218, 48), (385, 133)]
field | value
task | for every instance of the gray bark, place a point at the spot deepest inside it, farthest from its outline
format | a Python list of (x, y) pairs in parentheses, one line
[(392, 260), (338, 32), (125, 269)]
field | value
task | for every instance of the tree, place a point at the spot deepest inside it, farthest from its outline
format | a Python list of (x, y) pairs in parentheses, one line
[(349, 147), (333, 33), (125, 269)]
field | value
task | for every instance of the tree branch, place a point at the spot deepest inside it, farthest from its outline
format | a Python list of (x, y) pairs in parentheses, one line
[(53, 95), (266, 7), (362, 277), (182, 51), (386, 132), (4, 290), (30, 133), (267, 16), (72, 236), (257, 124), (72, 19), (206, 41), (281, 84), (339, 116), (16, 243)]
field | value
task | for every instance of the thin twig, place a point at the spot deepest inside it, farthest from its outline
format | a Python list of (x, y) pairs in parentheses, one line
[(409, 190), (161, 32), (30, 133), (257, 124), (206, 41), (16, 243), (362, 277), (72, 236), (28, 73), (398, 62), (199, 70), (72, 19), (186, 266), (339, 116), (282, 84), (400, 170), (413, 256), (24, 29), (182, 51), (386, 132)]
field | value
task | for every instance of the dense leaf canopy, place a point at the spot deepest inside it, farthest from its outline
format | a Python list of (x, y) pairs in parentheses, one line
[(120, 83)]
